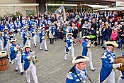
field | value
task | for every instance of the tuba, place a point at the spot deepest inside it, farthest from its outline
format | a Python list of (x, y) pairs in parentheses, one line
[(120, 59)]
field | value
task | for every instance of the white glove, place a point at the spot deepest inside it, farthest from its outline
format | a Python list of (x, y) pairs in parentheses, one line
[(28, 57), (117, 65), (88, 45)]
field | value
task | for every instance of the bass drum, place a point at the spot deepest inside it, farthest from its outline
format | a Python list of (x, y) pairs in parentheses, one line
[(3, 61), (120, 60)]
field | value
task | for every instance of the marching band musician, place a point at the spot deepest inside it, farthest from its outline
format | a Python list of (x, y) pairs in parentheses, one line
[(69, 45), (34, 34), (77, 73), (52, 33), (29, 59), (15, 55), (6, 38), (43, 35), (86, 44), (107, 72), (26, 36), (121, 77)]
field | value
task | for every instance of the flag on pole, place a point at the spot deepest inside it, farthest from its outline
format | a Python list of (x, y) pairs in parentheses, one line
[(61, 10)]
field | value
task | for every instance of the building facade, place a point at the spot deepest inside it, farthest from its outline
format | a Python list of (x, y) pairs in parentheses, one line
[(8, 8), (41, 8)]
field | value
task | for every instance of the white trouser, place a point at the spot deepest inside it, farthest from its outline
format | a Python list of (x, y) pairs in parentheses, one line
[(45, 44), (110, 78), (17, 63), (28, 42), (89, 54), (71, 49), (120, 80), (32, 70), (8, 47), (1, 45), (80, 34), (35, 39), (19, 31)]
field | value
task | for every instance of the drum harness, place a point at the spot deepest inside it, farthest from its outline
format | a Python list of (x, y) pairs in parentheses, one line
[(73, 69)]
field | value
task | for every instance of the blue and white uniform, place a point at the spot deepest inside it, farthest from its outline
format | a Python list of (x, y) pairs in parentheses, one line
[(6, 39), (29, 66), (87, 52), (26, 38), (52, 34), (34, 35), (72, 77), (69, 47), (1, 43), (42, 35), (15, 56), (107, 70)]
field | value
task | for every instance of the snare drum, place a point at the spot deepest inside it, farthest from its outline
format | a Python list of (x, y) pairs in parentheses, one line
[(3, 61)]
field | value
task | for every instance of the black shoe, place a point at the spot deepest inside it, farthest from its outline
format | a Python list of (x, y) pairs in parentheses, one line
[(16, 70), (22, 73), (46, 50)]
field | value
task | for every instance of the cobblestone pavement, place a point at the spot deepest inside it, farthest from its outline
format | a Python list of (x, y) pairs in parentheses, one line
[(51, 67)]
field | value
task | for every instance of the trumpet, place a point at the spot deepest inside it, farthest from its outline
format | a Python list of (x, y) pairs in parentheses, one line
[(20, 49), (33, 57)]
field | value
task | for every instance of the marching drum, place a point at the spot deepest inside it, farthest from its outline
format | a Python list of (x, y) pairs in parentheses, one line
[(120, 60), (3, 61)]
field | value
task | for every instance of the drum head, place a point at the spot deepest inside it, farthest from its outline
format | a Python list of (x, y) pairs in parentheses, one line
[(120, 60)]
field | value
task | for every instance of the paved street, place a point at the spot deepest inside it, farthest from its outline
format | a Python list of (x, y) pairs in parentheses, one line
[(51, 67)]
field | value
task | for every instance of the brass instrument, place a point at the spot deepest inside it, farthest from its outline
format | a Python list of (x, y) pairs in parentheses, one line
[(120, 60), (21, 50), (33, 57), (1, 34), (50, 35), (44, 37)]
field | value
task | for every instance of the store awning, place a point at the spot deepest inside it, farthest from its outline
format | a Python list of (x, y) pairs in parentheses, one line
[(61, 4), (95, 6), (18, 5), (113, 8)]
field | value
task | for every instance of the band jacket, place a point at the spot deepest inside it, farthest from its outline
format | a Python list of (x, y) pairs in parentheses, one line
[(6, 39), (27, 62), (33, 31), (13, 51), (69, 44), (107, 64), (122, 75), (41, 34), (72, 77), (85, 48), (24, 35)]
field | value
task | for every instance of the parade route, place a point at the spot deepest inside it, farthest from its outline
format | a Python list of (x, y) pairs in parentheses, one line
[(51, 66)]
